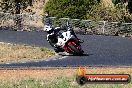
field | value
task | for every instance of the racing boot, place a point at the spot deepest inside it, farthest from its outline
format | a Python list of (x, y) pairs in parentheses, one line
[(58, 49)]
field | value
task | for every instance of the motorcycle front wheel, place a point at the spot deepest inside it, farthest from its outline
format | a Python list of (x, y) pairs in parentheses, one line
[(74, 49)]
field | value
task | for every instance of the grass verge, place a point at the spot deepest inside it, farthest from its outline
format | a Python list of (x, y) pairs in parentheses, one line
[(15, 53), (56, 78)]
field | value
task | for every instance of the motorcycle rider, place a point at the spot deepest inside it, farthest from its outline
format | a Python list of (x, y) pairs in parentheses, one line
[(52, 32)]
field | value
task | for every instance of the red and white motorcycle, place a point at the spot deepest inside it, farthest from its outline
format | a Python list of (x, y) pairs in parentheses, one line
[(68, 42)]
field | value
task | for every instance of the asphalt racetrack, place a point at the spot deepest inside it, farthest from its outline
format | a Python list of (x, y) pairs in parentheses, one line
[(99, 50)]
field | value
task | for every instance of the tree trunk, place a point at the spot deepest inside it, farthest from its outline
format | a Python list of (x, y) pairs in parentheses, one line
[(130, 6), (18, 17)]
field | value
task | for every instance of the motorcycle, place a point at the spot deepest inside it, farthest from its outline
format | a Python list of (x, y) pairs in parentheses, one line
[(67, 41)]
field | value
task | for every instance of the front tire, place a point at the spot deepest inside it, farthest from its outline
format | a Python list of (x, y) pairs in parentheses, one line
[(75, 50)]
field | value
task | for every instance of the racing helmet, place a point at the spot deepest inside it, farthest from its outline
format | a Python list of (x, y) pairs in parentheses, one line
[(48, 28)]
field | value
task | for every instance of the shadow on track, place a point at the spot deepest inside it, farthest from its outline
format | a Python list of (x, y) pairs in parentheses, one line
[(75, 55)]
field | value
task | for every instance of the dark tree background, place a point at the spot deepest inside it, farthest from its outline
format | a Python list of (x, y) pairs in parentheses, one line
[(124, 1), (69, 8), (14, 6), (130, 6)]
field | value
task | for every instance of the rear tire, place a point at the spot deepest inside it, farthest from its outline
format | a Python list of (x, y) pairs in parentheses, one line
[(75, 50)]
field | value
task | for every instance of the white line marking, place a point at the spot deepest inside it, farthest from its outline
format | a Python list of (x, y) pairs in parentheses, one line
[(53, 59), (36, 61), (46, 60), (63, 57), (7, 63)]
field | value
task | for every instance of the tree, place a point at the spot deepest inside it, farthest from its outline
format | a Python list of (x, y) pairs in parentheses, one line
[(13, 5), (116, 2), (130, 6), (69, 8)]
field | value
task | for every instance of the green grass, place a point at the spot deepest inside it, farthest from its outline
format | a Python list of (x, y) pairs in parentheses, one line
[(61, 82)]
